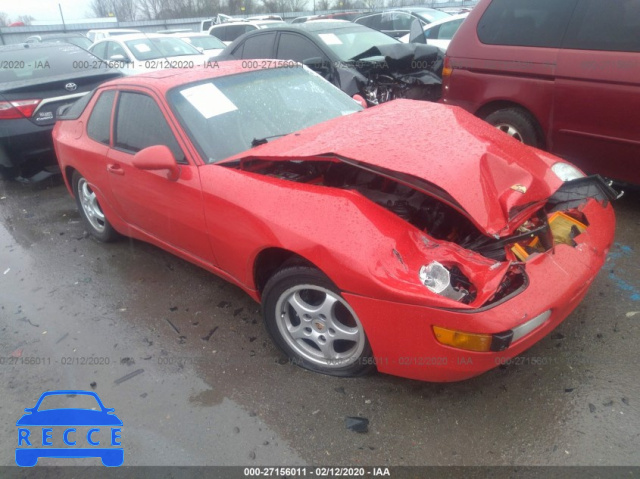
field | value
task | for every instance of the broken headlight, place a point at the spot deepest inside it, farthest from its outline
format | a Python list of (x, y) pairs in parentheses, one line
[(447, 282), (567, 172)]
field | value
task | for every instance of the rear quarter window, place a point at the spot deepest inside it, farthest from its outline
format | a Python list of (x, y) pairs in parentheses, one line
[(613, 25), (527, 23), (99, 124)]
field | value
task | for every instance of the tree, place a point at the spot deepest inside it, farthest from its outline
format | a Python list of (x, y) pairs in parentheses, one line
[(26, 19), (123, 10), (4, 19)]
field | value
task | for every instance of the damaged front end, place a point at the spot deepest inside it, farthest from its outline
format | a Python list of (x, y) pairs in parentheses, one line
[(446, 253), (388, 72)]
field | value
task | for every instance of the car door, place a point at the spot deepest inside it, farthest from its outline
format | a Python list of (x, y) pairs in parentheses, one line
[(597, 99), (170, 211)]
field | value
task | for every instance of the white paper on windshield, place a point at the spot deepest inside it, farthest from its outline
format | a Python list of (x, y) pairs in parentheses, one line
[(330, 38), (208, 100), (142, 47)]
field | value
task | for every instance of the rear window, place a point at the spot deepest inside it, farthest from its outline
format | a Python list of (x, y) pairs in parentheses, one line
[(527, 23), (613, 25), (42, 62)]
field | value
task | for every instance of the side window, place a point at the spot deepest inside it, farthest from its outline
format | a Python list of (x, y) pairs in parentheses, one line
[(100, 50), (433, 33), (259, 46), (448, 30), (220, 33), (372, 21), (140, 123), (99, 124), (234, 31), (528, 23), (115, 49), (613, 25), (402, 21), (298, 48)]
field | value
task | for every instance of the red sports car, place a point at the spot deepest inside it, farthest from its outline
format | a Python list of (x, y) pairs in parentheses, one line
[(410, 237)]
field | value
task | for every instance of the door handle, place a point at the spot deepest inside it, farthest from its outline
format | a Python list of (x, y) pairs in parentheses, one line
[(115, 169)]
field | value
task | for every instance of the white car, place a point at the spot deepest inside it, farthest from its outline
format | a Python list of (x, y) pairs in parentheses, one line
[(100, 34), (228, 32), (145, 52), (207, 44), (439, 33)]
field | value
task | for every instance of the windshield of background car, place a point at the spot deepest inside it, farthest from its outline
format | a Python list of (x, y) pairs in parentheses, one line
[(347, 43), (153, 48), (432, 16), (208, 42), (224, 115), (41, 62)]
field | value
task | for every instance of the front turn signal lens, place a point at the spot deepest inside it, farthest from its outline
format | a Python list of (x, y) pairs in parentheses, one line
[(462, 340)]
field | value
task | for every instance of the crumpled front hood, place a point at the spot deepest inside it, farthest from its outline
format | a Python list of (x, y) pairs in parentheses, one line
[(494, 179)]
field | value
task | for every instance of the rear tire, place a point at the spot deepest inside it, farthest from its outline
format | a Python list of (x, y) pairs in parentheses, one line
[(518, 124), (313, 324), (90, 210)]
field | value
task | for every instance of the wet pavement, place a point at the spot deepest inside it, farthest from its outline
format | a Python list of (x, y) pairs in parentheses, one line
[(185, 361)]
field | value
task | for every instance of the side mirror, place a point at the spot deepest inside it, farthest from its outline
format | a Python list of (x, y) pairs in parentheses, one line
[(416, 34), (119, 58), (358, 98), (316, 64), (157, 157)]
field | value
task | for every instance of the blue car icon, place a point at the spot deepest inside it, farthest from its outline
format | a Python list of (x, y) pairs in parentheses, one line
[(97, 419)]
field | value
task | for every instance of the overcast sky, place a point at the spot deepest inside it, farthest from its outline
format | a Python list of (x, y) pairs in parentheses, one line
[(46, 10)]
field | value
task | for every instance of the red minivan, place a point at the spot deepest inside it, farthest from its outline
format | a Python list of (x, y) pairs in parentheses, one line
[(561, 75)]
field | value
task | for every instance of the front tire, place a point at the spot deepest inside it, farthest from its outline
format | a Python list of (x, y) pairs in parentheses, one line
[(518, 124), (313, 324), (90, 210)]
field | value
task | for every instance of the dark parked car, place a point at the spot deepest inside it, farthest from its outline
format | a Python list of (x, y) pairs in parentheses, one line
[(74, 38), (562, 76), (397, 22), (35, 80), (356, 59)]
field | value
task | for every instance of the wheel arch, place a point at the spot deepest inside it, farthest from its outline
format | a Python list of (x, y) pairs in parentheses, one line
[(270, 260)]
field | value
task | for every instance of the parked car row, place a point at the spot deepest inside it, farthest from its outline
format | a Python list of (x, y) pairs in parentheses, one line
[(355, 58)]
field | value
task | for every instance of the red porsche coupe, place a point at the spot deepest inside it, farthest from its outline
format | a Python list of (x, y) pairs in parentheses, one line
[(411, 237)]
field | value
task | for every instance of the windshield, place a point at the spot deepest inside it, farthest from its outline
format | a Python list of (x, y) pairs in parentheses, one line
[(348, 43), (152, 48), (224, 115), (206, 42)]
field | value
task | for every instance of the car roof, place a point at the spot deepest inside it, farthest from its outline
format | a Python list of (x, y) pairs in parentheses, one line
[(446, 20), (326, 25), (104, 30), (42, 45), (134, 36), (164, 80)]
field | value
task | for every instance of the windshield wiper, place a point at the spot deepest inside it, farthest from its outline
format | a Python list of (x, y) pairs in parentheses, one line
[(261, 141)]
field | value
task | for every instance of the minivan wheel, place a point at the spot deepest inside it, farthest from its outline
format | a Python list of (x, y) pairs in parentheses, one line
[(518, 124)]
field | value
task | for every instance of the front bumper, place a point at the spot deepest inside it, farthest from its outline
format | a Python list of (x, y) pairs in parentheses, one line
[(402, 338)]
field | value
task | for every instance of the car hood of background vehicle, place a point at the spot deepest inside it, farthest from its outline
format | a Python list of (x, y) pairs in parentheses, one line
[(496, 180), (69, 417), (423, 63)]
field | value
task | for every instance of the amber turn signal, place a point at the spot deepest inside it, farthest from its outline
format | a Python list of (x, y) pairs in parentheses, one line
[(462, 340)]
